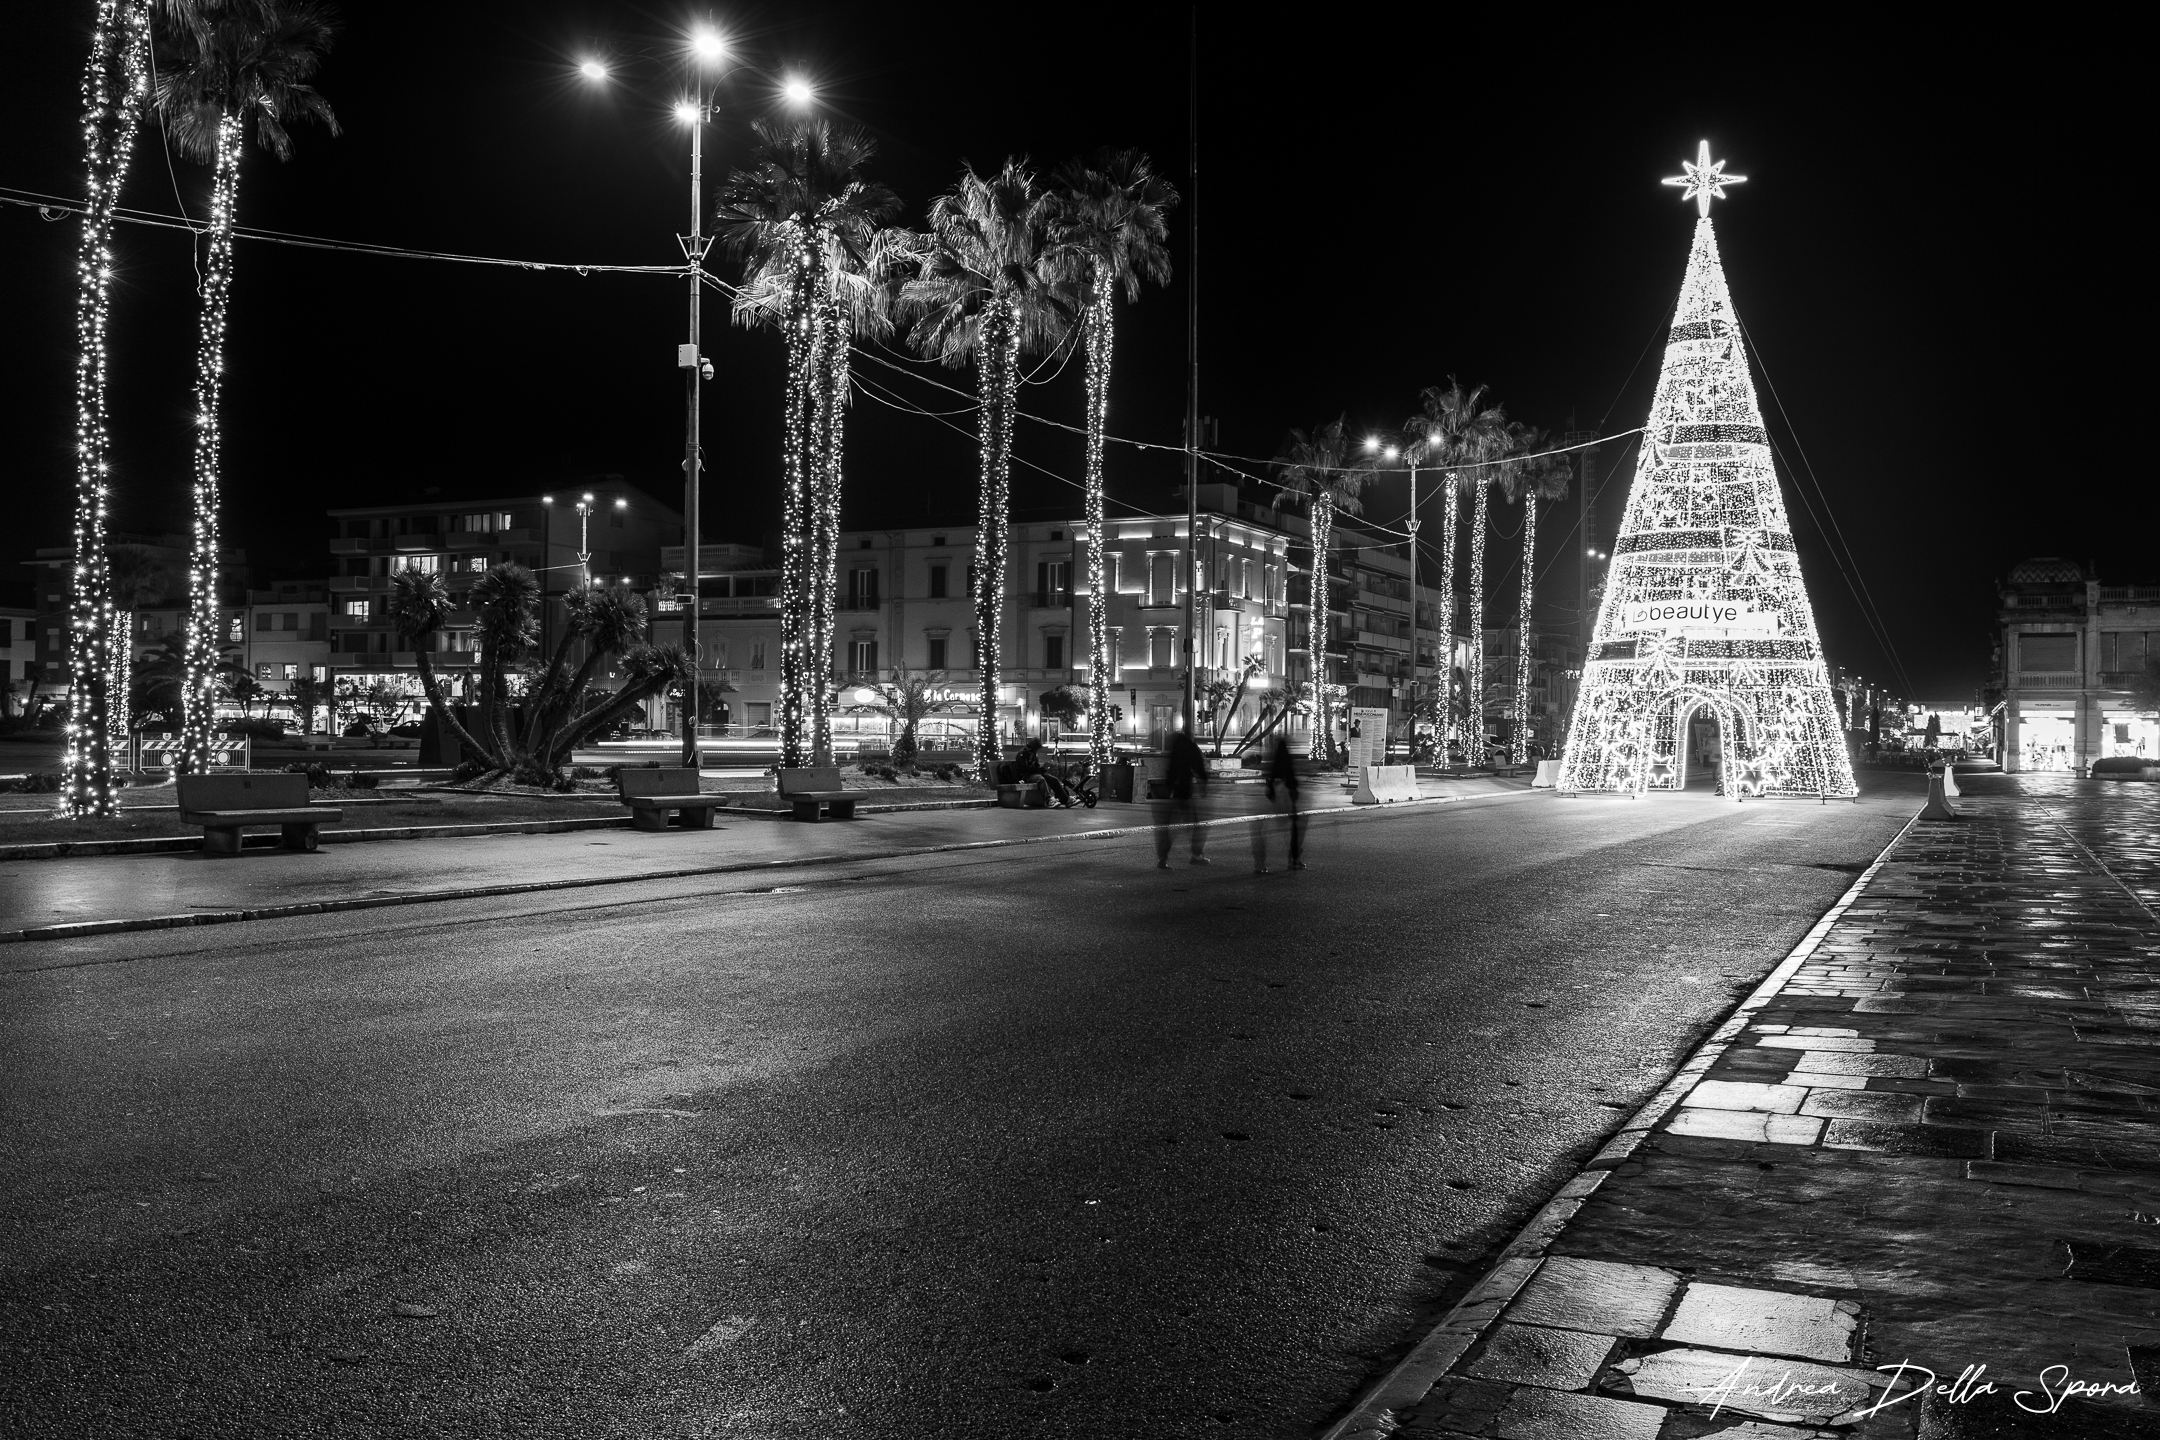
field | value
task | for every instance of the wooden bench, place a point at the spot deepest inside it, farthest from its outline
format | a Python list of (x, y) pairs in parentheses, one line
[(815, 788), (651, 792), (224, 805)]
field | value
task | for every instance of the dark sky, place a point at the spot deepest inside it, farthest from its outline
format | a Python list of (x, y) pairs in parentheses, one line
[(1925, 255)]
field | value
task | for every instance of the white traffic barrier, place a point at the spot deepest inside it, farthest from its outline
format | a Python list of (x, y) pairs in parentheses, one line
[(1950, 785), (1385, 784), (1938, 805), (1547, 777)]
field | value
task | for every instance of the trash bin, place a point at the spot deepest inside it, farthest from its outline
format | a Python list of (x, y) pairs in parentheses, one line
[(1118, 781)]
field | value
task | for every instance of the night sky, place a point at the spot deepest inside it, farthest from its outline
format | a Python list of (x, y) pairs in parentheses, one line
[(1938, 287)]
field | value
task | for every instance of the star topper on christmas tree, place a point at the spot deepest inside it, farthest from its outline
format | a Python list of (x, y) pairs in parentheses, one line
[(1705, 180)]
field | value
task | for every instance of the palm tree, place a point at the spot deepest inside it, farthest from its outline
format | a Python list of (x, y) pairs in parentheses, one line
[(138, 579), (1455, 430), (818, 254), (227, 66), (1311, 468), (1110, 234), (419, 604), (1533, 472), (983, 295)]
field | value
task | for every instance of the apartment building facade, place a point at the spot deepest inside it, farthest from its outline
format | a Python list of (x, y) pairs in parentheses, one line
[(617, 541), (2069, 663), (18, 658)]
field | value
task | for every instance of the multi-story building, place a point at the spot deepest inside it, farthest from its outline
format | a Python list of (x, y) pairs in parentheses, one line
[(288, 636), (1556, 661), (905, 601), (2069, 664), (153, 594), (617, 540), (18, 659), (738, 633)]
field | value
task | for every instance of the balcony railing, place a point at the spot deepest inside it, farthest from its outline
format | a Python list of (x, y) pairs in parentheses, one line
[(1053, 599), (2048, 680)]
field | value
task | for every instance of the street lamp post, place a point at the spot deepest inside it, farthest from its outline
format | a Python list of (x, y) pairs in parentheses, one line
[(1392, 452)]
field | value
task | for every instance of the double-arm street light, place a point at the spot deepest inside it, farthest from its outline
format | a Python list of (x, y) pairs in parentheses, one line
[(1409, 456), (705, 50)]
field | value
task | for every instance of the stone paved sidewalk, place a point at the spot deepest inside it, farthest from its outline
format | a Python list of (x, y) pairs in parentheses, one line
[(1935, 1141)]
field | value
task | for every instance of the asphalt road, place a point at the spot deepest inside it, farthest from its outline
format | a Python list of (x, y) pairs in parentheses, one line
[(1039, 1141)]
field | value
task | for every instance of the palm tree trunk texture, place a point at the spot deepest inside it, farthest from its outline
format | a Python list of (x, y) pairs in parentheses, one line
[(798, 561), (118, 717), (997, 371), (431, 686), (1476, 686), (1450, 522), (1100, 731), (1316, 632), (115, 83), (198, 695), (830, 417), (1525, 666)]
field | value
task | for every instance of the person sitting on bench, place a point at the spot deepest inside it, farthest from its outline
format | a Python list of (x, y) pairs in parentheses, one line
[(1029, 766)]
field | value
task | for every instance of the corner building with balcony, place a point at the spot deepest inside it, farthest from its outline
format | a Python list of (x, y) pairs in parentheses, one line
[(2069, 664)]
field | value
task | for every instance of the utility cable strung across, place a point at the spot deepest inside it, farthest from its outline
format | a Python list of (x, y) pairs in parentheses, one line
[(53, 206)]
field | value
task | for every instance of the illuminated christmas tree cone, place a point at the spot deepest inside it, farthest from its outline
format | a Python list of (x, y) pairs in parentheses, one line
[(1705, 610)]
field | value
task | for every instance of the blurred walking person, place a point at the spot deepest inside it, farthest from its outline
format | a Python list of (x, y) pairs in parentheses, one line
[(1282, 776), (1188, 779)]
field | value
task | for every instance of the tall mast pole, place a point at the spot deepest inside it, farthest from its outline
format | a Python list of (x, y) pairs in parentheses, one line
[(693, 451), (1413, 615), (1192, 391)]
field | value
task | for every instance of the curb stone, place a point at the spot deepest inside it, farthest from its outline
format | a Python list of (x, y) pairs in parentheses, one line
[(81, 929), (1406, 1383)]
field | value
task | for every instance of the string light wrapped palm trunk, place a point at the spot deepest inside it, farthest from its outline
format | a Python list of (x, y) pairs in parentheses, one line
[(198, 692), (1476, 698), (1525, 660), (115, 83), (1323, 524), (798, 549), (1101, 730), (1451, 511), (830, 382), (997, 371)]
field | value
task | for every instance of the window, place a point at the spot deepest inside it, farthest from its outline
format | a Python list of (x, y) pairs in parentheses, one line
[(1159, 646), (862, 657), (265, 621), (937, 652), (1115, 644), (319, 672), (289, 672), (356, 609), (937, 582), (1162, 577), (353, 642), (317, 622), (266, 671), (1114, 571), (424, 564), (236, 628), (486, 524), (1057, 534), (937, 542), (862, 589), (1053, 652), (2039, 653), (865, 543), (971, 578), (757, 654), (1053, 583)]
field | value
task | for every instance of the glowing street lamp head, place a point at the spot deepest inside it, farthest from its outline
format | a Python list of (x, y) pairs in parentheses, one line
[(798, 92), (686, 112), (593, 70), (707, 45)]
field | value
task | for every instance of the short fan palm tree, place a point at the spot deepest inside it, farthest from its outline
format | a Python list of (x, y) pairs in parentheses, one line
[(1316, 469), (1533, 472), (983, 295), (230, 65), (1457, 431), (1110, 236), (818, 253)]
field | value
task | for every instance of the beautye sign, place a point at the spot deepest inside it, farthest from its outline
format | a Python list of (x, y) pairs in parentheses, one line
[(1723, 618)]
